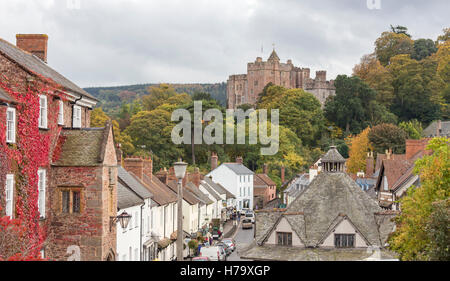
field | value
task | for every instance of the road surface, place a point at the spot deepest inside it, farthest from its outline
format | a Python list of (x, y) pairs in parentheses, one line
[(243, 238)]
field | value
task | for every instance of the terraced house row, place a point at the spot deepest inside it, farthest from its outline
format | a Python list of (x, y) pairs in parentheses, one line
[(76, 173)]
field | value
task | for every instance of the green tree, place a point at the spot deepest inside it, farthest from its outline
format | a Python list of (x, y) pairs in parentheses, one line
[(423, 48), (157, 96), (354, 107), (412, 128), (151, 131), (422, 229), (400, 30), (387, 136), (299, 111)]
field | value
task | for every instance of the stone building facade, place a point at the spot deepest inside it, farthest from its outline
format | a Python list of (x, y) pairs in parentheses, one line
[(246, 88), (78, 179)]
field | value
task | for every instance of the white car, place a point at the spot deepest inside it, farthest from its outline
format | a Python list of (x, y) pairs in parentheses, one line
[(214, 253), (250, 216)]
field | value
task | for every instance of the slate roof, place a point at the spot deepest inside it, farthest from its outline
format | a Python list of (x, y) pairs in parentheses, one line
[(35, 65), (187, 195), (197, 192), (332, 155), (217, 187), (127, 198), (82, 147), (274, 56), (273, 252), (5, 96), (130, 180), (431, 130), (313, 212), (238, 168), (210, 190)]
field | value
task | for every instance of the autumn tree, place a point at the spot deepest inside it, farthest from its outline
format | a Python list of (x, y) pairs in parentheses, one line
[(157, 96), (422, 227), (359, 145), (99, 119), (387, 136), (391, 44)]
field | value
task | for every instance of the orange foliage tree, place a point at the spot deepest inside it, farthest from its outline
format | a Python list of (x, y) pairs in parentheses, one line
[(359, 146)]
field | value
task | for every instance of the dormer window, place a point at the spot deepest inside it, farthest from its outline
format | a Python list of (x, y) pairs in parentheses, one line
[(43, 111), (11, 125), (76, 116)]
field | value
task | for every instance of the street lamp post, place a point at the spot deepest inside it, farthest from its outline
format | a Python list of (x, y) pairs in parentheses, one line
[(180, 171)]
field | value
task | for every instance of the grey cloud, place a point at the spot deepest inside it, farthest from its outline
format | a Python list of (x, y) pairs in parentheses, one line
[(121, 42)]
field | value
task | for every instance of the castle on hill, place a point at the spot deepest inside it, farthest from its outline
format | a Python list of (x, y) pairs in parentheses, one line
[(245, 88)]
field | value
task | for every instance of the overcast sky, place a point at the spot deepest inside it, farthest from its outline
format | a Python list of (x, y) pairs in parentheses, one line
[(118, 42)]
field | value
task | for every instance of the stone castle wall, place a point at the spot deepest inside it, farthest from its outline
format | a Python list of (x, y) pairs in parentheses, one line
[(245, 88)]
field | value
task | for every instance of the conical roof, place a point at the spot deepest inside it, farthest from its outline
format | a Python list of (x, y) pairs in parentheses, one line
[(332, 155), (274, 56)]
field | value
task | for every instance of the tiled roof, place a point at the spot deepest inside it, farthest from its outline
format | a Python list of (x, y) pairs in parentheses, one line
[(187, 195), (393, 169), (131, 181), (35, 65), (238, 168), (162, 194), (262, 180), (127, 198), (82, 147)]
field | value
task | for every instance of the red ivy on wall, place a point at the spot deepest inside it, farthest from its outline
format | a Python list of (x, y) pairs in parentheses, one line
[(30, 152)]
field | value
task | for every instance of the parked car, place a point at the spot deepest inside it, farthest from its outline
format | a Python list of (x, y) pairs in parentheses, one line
[(244, 211), (251, 216), (247, 223), (214, 253), (227, 249), (230, 242), (215, 234), (201, 259)]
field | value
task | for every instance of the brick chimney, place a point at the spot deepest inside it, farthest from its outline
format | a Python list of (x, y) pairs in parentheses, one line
[(134, 165), (163, 176), (195, 177), (35, 44), (214, 160), (369, 164), (148, 167), (265, 169), (282, 174), (239, 160)]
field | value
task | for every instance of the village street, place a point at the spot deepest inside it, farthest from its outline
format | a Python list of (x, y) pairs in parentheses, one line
[(243, 238)]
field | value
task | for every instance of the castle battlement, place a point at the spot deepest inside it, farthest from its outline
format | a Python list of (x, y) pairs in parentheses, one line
[(246, 88)]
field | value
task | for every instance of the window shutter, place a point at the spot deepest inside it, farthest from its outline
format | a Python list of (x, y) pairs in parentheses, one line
[(61, 113), (41, 194), (43, 111), (9, 192), (11, 125), (76, 116)]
